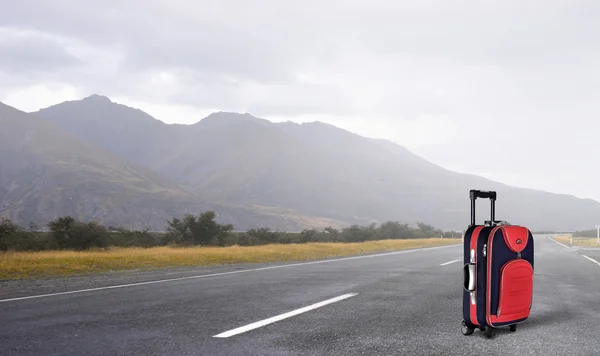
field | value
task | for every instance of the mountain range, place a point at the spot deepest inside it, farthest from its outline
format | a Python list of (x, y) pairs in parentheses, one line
[(99, 160)]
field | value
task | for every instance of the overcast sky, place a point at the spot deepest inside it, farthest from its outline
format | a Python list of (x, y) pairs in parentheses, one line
[(505, 89)]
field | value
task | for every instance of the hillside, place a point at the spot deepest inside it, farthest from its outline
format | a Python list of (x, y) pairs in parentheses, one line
[(45, 173), (313, 168), (119, 129)]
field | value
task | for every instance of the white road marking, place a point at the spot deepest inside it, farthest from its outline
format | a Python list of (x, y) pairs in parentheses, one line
[(563, 245), (447, 263), (591, 259), (264, 322), (225, 273)]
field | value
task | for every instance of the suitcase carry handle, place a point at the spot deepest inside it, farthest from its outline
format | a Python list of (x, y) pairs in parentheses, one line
[(469, 273), (491, 195), (469, 277)]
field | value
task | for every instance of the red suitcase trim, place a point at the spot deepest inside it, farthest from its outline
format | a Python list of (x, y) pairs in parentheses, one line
[(516, 237), (489, 275), (473, 247)]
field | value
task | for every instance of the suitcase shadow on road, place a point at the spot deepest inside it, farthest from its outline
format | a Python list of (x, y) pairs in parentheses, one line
[(542, 319), (536, 321)]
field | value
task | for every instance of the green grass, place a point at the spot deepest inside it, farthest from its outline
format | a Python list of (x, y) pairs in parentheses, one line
[(17, 265)]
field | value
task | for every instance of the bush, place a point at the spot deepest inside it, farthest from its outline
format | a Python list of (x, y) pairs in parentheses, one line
[(586, 233), (121, 237), (245, 239), (263, 235), (11, 235), (200, 230), (72, 234), (7, 228)]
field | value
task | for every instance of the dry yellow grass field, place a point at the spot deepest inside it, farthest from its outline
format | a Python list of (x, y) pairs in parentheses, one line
[(15, 265), (578, 241)]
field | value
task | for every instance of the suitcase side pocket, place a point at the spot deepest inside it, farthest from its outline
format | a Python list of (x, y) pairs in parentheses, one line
[(516, 291)]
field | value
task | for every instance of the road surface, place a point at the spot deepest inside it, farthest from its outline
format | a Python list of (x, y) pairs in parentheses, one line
[(406, 303)]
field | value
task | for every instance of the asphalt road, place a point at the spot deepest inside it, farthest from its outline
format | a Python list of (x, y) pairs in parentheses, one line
[(397, 304)]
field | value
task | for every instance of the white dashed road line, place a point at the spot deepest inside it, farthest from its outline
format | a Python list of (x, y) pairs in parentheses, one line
[(264, 322), (447, 263), (591, 259)]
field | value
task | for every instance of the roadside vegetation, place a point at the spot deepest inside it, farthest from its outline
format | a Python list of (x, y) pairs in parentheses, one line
[(578, 240), (67, 233), (68, 246), (585, 233), (16, 265)]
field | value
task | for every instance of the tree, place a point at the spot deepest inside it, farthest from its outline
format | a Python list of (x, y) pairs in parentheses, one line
[(395, 230), (331, 230), (61, 229), (8, 227), (72, 234), (356, 233), (200, 230), (308, 235), (8, 230), (179, 230), (210, 231)]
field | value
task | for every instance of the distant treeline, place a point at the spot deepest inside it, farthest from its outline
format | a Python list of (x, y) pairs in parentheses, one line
[(585, 233), (67, 233)]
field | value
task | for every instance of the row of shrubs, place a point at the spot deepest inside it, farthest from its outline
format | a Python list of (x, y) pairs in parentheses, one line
[(585, 233), (203, 230)]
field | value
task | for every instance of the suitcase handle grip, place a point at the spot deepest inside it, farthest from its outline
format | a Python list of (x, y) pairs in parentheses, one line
[(491, 195), (483, 194), (469, 277)]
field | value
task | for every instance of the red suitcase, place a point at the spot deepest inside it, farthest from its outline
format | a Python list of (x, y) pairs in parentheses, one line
[(497, 273)]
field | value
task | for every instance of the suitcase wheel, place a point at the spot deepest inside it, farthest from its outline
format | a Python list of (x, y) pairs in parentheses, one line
[(467, 329), (513, 327)]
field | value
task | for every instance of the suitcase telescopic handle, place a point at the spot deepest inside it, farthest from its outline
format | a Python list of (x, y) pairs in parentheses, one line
[(491, 195)]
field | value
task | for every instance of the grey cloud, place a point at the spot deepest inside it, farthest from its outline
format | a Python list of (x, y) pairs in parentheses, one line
[(31, 54), (268, 43), (152, 39)]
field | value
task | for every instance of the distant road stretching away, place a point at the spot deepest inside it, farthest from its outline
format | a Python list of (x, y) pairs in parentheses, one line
[(405, 303)]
